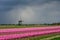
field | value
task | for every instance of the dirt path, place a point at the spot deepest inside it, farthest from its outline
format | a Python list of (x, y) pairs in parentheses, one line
[(51, 37)]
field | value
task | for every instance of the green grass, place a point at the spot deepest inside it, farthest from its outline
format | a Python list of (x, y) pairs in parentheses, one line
[(58, 38), (21, 26)]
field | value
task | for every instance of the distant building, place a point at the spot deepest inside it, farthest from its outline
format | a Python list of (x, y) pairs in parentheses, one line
[(19, 22)]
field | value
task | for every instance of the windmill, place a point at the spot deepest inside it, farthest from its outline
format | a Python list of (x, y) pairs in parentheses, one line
[(20, 21)]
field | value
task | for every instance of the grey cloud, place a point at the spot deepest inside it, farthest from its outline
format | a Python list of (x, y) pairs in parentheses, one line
[(41, 11), (6, 5), (47, 13)]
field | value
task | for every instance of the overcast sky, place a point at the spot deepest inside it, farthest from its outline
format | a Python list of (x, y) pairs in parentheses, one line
[(30, 11)]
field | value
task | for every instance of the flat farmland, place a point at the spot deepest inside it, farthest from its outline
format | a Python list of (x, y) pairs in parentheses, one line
[(36, 37), (23, 26)]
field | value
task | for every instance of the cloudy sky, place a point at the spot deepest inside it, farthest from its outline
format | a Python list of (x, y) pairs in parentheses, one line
[(30, 11)]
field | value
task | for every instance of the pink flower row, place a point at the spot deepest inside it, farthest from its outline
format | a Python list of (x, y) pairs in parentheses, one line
[(29, 29), (11, 36)]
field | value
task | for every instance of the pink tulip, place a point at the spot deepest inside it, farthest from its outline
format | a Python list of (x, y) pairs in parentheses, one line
[(29, 29), (11, 36)]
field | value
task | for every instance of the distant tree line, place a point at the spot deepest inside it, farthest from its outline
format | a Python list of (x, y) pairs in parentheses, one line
[(52, 23), (20, 23)]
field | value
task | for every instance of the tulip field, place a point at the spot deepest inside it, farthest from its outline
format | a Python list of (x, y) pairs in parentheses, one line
[(29, 33)]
